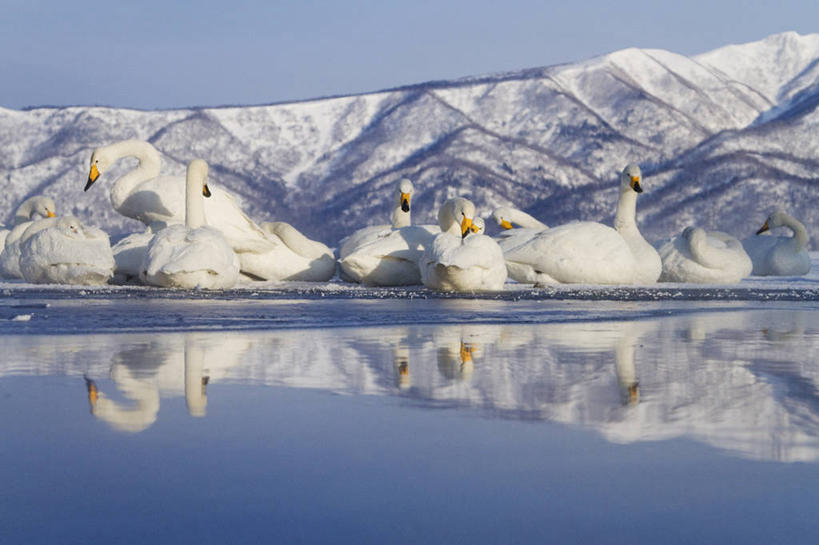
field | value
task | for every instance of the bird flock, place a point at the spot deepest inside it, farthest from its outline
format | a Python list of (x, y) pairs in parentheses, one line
[(198, 237)]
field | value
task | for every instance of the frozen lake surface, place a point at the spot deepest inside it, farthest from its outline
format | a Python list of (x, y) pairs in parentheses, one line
[(307, 414)]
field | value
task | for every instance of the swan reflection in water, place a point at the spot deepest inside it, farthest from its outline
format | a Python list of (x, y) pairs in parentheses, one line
[(145, 372), (744, 381)]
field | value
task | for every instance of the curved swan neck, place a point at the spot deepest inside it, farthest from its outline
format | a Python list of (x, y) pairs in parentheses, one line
[(702, 252), (148, 167), (800, 234), (447, 220), (195, 179)]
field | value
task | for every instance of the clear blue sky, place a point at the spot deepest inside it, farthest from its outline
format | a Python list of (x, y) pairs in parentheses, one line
[(164, 54)]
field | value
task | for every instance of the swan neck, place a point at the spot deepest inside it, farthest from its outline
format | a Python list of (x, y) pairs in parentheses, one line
[(625, 219), (525, 220), (148, 167), (800, 234), (399, 217), (194, 203)]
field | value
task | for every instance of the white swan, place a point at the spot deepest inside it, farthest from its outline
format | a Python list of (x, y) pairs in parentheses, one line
[(457, 262), (704, 258), (511, 218), (518, 227), (401, 217), (290, 256), (31, 209), (588, 252), (63, 251), (390, 260), (779, 256), (193, 255), (158, 201)]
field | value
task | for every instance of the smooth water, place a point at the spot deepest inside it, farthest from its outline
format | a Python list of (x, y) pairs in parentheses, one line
[(444, 421)]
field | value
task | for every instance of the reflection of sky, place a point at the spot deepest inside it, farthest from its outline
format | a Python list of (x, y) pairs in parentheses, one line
[(744, 381), (432, 434)]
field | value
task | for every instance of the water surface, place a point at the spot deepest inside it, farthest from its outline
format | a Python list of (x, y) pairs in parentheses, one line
[(409, 421)]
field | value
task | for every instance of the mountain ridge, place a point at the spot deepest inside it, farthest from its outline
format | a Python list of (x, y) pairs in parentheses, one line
[(707, 129)]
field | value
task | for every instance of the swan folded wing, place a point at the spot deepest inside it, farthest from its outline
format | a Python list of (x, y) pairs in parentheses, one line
[(187, 251), (365, 235), (580, 252), (407, 243), (241, 232)]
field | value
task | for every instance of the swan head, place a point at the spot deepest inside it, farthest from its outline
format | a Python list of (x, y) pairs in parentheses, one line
[(403, 194), (478, 227), (776, 219), (693, 234), (101, 159), (198, 171), (456, 213), (70, 226), (39, 207), (631, 178), (501, 216)]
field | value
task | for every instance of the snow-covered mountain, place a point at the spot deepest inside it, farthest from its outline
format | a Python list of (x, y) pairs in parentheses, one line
[(722, 138)]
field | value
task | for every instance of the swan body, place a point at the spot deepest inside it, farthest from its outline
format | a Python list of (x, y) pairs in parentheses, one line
[(129, 253), (458, 260), (589, 252), (779, 256), (30, 210), (704, 257), (401, 217), (63, 251), (391, 259), (290, 256), (193, 255)]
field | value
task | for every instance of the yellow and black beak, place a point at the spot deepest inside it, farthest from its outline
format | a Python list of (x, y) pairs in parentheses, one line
[(405, 202), (206, 190), (635, 184), (763, 229), (93, 393), (506, 225), (92, 176), (466, 223), (466, 352), (49, 213)]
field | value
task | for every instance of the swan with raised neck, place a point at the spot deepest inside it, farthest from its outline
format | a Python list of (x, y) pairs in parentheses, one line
[(147, 168)]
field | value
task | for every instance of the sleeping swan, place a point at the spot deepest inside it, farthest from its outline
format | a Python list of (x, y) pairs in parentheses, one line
[(779, 256), (63, 251), (460, 260), (401, 217), (193, 255), (30, 210), (704, 258), (518, 227), (588, 252)]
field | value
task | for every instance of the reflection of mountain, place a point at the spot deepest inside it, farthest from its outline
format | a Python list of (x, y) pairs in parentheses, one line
[(745, 381)]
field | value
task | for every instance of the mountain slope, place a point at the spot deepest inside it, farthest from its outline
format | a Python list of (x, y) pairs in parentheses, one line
[(722, 137)]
